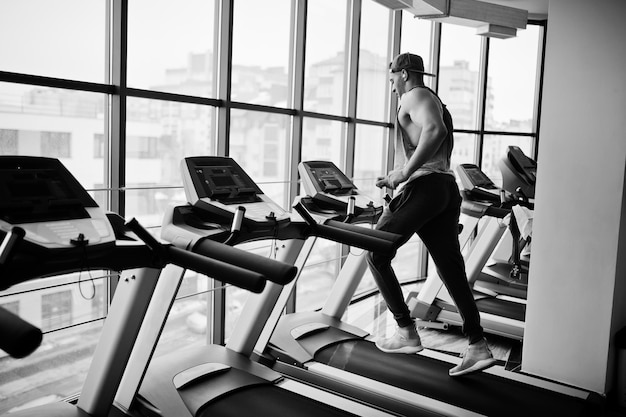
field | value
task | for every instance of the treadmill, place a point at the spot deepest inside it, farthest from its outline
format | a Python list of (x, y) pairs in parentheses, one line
[(50, 225), (226, 206), (324, 350)]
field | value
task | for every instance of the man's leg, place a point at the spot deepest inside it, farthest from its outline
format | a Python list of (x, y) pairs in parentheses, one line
[(441, 238), (405, 215)]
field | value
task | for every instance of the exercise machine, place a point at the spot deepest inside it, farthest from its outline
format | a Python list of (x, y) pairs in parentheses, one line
[(50, 225), (226, 206), (321, 348)]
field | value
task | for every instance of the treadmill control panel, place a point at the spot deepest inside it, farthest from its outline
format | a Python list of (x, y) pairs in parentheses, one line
[(479, 186), (332, 190), (41, 196), (220, 185)]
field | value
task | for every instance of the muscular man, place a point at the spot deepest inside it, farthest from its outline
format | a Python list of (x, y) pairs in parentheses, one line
[(429, 205)]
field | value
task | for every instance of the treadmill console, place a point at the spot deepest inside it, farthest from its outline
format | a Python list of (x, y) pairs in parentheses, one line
[(477, 184), (221, 186), (518, 171), (42, 197), (332, 190)]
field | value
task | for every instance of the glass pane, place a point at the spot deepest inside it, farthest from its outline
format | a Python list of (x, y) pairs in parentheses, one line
[(159, 134), (511, 82), (149, 204), (322, 140), (186, 324), (495, 148), (259, 142), (170, 48), (57, 123), (318, 275), (325, 72), (370, 150), (464, 150), (48, 38), (458, 73), (373, 85), (261, 51), (415, 38), (53, 372)]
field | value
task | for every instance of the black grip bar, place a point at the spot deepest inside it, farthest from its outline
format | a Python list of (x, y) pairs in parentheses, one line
[(275, 271), (348, 234), (18, 337), (241, 277)]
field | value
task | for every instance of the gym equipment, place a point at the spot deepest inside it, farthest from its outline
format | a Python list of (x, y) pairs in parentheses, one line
[(519, 172), (225, 205), (50, 225), (320, 348)]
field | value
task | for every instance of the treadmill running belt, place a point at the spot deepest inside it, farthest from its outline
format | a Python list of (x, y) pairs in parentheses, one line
[(482, 392), (269, 401), (502, 308)]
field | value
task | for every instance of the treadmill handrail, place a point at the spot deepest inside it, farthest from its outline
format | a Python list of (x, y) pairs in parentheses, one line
[(233, 274), (275, 271), (347, 234)]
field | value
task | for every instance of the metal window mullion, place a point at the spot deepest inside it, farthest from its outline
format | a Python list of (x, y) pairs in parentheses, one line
[(354, 29), (117, 117), (223, 70), (223, 76), (297, 65), (538, 90), (482, 98), (395, 30), (435, 53)]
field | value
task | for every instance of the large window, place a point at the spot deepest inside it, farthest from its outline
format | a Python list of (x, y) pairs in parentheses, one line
[(285, 83)]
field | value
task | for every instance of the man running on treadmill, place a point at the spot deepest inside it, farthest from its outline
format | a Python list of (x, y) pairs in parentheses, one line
[(428, 204)]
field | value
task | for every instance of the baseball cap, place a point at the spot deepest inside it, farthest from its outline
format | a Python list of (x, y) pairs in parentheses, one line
[(409, 62)]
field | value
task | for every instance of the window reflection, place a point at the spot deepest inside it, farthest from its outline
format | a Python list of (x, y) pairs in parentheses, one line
[(512, 82), (495, 148), (261, 39), (326, 59), (259, 143), (458, 74), (369, 156), (170, 48), (323, 140), (373, 86), (58, 43)]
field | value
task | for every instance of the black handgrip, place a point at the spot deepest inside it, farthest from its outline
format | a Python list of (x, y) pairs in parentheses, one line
[(353, 238), (243, 278), (19, 338), (238, 276), (275, 271), (380, 234), (304, 213), (11, 239)]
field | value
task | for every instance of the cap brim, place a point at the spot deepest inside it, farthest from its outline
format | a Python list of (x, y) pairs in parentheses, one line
[(425, 73)]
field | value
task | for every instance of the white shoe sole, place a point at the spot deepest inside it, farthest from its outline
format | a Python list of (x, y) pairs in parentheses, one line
[(405, 349), (478, 366)]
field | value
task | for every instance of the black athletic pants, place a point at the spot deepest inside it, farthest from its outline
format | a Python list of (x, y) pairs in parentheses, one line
[(429, 206)]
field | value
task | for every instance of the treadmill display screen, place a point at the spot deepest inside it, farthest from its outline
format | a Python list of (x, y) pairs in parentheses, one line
[(40, 192), (479, 179), (222, 180), (329, 178)]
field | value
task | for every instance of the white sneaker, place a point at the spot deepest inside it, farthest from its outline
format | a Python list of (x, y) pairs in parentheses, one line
[(477, 357), (404, 340)]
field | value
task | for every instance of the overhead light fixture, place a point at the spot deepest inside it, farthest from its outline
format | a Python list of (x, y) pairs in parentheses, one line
[(489, 19)]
